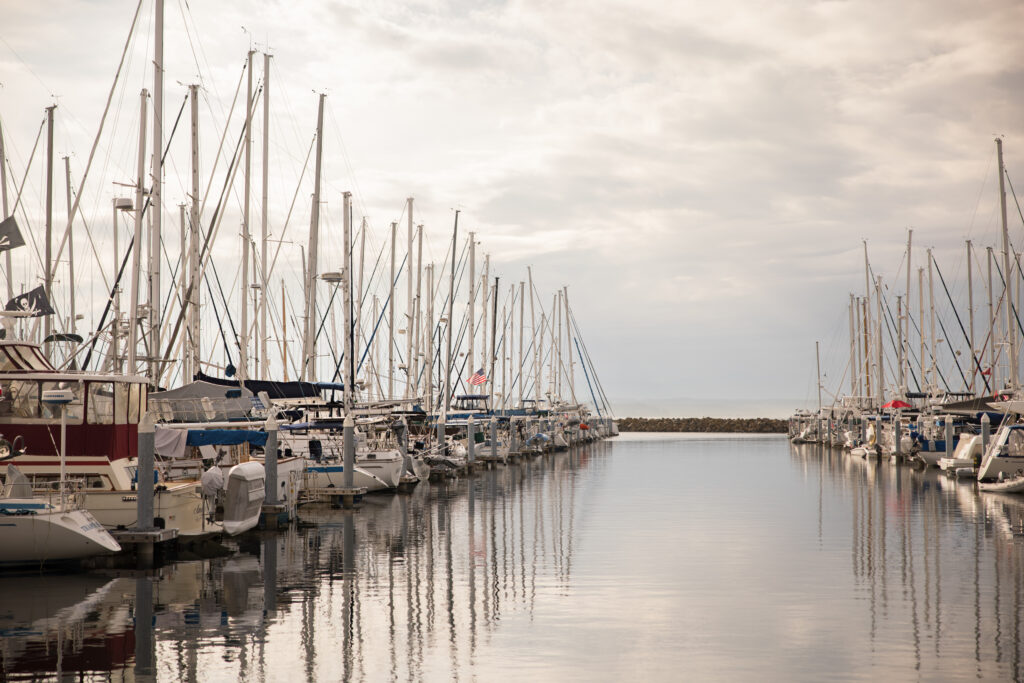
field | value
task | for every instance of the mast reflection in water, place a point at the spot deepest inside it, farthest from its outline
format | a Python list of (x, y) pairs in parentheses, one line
[(655, 557)]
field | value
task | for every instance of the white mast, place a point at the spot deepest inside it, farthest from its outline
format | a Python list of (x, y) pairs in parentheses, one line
[(451, 319), (359, 300), (346, 288), (417, 316), (920, 301), (817, 358), (485, 301), (264, 370), (133, 334), (309, 343), (853, 350), (408, 303), (991, 323), (391, 317), (194, 318), (155, 194), (48, 275), (906, 351), (536, 339), (878, 341), (428, 332), (931, 313), (568, 345), (243, 342), (472, 301), (970, 314), (522, 312), (72, 323), (1011, 335), (3, 198)]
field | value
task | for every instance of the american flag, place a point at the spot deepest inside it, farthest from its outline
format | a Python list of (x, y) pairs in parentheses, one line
[(478, 378)]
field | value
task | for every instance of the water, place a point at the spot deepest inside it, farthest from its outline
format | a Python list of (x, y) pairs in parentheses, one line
[(647, 557)]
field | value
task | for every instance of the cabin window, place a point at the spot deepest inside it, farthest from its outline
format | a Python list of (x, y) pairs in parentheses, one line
[(120, 403), (1015, 443), (134, 403), (24, 399), (100, 406)]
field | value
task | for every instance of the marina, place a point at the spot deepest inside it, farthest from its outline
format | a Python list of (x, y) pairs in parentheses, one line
[(320, 322)]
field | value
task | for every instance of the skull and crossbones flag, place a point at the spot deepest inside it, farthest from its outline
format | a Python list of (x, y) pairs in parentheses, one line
[(10, 236), (34, 302)]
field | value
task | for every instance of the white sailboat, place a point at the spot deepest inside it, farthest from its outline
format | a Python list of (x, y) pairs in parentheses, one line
[(36, 529)]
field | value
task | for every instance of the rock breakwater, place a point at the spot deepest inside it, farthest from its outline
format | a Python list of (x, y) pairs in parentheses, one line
[(754, 425)]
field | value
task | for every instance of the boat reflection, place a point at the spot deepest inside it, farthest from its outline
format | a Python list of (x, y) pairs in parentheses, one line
[(912, 532), (408, 586)]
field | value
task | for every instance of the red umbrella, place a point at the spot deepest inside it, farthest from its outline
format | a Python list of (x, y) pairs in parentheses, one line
[(897, 404)]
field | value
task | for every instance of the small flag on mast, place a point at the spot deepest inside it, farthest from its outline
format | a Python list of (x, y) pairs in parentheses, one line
[(10, 236), (34, 303), (478, 378)]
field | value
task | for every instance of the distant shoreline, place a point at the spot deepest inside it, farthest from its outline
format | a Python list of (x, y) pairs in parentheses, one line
[(754, 425)]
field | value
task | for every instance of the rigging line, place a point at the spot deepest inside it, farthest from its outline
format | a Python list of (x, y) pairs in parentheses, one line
[(956, 360), (1013, 308), (383, 310), (17, 199), (967, 338), (587, 375), (220, 328), (120, 272), (99, 133), (205, 253), (593, 369), (1014, 193), (291, 207)]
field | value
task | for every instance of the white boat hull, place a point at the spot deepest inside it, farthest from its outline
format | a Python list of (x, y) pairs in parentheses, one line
[(33, 531), (178, 505)]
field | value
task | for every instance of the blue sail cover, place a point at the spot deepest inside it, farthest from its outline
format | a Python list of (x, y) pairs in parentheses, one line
[(225, 437)]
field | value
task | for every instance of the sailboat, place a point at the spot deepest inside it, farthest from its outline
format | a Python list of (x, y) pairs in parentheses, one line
[(55, 527)]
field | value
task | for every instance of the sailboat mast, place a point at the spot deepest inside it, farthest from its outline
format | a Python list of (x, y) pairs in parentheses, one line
[(931, 313), (391, 317), (568, 345), (417, 322), (346, 284), (536, 339), (194, 319), (243, 342), (156, 194), (991, 321), (309, 339), (6, 209), (880, 386), (905, 369), (853, 349), (970, 314), (72, 324), (428, 332), (920, 302), (1011, 335), (817, 357), (48, 276), (472, 302), (133, 334), (264, 370), (522, 311), (451, 319), (409, 303)]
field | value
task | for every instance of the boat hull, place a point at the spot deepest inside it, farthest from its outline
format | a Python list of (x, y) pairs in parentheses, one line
[(33, 531)]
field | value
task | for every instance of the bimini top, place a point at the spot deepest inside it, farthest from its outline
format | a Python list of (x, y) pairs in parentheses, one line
[(19, 356)]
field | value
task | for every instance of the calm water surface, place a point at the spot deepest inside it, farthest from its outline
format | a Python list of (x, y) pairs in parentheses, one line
[(648, 557)]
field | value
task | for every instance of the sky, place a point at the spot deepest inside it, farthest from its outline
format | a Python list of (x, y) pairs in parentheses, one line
[(701, 176)]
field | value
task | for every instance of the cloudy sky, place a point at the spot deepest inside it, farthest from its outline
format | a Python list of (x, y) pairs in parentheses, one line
[(700, 175)]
